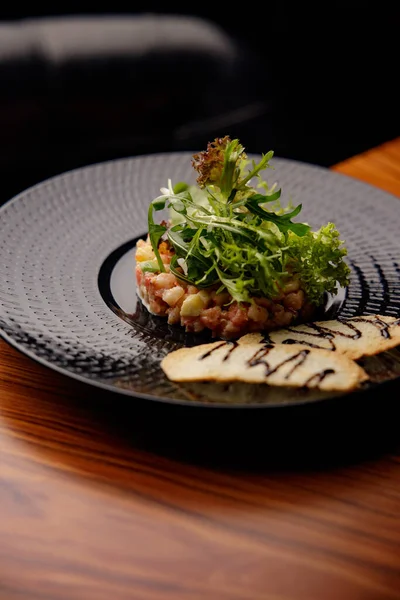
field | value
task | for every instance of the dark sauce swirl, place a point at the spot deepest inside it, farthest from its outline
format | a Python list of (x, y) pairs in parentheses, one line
[(324, 332), (318, 377), (260, 358), (231, 347)]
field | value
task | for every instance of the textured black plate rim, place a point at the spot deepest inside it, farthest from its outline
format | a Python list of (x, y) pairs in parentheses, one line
[(370, 387), (195, 404)]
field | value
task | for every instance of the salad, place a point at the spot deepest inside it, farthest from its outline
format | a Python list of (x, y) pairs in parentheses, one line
[(229, 257)]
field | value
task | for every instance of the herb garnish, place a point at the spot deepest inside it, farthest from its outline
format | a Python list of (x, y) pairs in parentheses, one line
[(226, 233)]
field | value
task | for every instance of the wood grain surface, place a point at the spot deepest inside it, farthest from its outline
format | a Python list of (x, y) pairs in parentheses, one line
[(102, 499), (379, 166)]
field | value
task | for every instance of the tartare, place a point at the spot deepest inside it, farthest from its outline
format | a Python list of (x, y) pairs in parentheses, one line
[(229, 258)]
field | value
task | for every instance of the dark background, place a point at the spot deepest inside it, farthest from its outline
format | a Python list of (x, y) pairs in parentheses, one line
[(316, 83)]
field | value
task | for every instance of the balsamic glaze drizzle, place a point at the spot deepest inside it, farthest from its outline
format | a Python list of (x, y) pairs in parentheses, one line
[(324, 332), (207, 354), (318, 377), (317, 331), (259, 358), (232, 346)]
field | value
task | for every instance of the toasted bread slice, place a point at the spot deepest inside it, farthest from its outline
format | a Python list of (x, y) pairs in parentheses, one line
[(354, 337), (278, 365)]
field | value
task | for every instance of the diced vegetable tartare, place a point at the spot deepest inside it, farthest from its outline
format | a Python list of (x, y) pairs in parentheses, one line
[(230, 259)]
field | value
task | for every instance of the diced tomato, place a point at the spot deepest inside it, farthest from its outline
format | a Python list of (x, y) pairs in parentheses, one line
[(211, 317), (238, 315)]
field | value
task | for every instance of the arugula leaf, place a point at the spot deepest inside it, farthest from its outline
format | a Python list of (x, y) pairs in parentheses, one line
[(284, 221), (177, 241), (156, 231), (262, 199), (263, 164), (222, 234)]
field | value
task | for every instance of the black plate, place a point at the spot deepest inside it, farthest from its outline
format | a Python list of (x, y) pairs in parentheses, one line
[(68, 297)]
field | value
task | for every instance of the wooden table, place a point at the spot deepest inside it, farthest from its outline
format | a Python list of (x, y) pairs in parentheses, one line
[(90, 512)]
